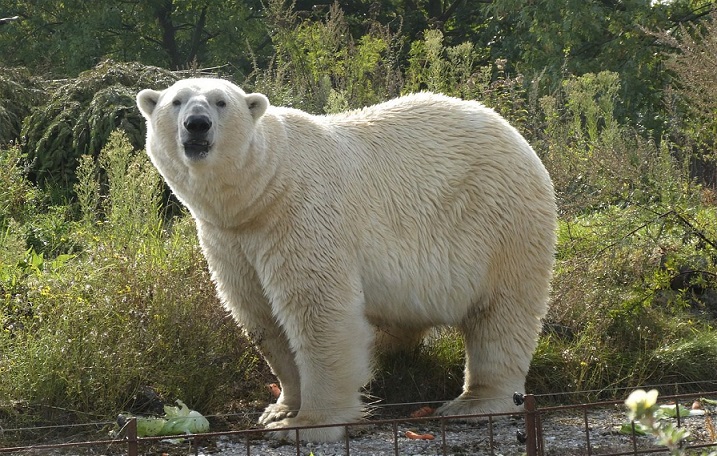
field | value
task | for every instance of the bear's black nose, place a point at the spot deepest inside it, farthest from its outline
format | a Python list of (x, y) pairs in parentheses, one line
[(197, 124)]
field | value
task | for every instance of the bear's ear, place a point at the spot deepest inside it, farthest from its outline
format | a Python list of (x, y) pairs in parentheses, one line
[(257, 104), (147, 101)]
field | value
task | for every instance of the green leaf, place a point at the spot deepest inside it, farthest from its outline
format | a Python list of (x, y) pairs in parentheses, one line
[(640, 429)]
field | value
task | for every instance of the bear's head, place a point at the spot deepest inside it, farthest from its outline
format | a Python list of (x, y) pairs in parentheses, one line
[(195, 117)]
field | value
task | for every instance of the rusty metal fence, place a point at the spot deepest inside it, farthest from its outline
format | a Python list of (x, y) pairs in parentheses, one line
[(534, 439)]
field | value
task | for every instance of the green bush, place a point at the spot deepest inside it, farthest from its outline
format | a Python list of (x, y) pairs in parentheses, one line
[(80, 115), (20, 92), (18, 194), (630, 291), (133, 307), (636, 250)]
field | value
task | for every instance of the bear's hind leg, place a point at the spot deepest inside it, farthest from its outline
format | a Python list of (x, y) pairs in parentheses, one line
[(500, 342)]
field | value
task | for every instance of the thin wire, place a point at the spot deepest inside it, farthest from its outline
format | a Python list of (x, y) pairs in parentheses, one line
[(59, 426), (626, 388)]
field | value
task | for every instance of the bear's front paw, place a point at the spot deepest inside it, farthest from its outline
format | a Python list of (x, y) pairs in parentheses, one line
[(324, 434), (276, 412)]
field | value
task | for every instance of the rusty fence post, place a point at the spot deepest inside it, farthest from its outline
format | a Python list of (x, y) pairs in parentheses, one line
[(346, 439), (531, 425), (132, 446)]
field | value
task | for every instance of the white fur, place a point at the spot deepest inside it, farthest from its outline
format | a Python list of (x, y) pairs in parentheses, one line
[(422, 211)]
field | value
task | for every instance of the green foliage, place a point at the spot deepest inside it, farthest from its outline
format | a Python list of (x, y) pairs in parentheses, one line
[(545, 40), (693, 62), (595, 160), (133, 188), (445, 69), (18, 194), (61, 38), (320, 67), (549, 40), (635, 262), (86, 331), (635, 304), (19, 94), (80, 115), (66, 38), (455, 71)]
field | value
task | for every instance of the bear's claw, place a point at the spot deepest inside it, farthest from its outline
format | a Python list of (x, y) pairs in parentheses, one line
[(276, 412)]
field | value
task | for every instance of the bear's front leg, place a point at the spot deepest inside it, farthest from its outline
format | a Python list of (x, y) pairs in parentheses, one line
[(332, 341), (281, 361), (241, 291), (261, 326)]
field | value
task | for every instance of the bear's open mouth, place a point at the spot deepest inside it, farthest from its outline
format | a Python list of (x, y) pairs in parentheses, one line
[(196, 148)]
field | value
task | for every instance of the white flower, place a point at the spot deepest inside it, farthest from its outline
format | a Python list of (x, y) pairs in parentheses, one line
[(640, 402)]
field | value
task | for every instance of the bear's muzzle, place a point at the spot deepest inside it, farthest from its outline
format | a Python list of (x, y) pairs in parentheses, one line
[(195, 138)]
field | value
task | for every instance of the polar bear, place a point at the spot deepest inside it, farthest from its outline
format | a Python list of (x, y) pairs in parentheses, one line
[(422, 211)]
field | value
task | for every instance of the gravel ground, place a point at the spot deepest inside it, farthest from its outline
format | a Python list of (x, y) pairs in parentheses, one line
[(564, 434)]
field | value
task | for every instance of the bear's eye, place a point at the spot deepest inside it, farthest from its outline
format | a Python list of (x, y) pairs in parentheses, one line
[(176, 102), (221, 103)]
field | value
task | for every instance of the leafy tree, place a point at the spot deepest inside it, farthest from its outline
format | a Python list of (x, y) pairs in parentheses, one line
[(548, 40), (188, 31), (65, 38), (695, 64), (458, 20)]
